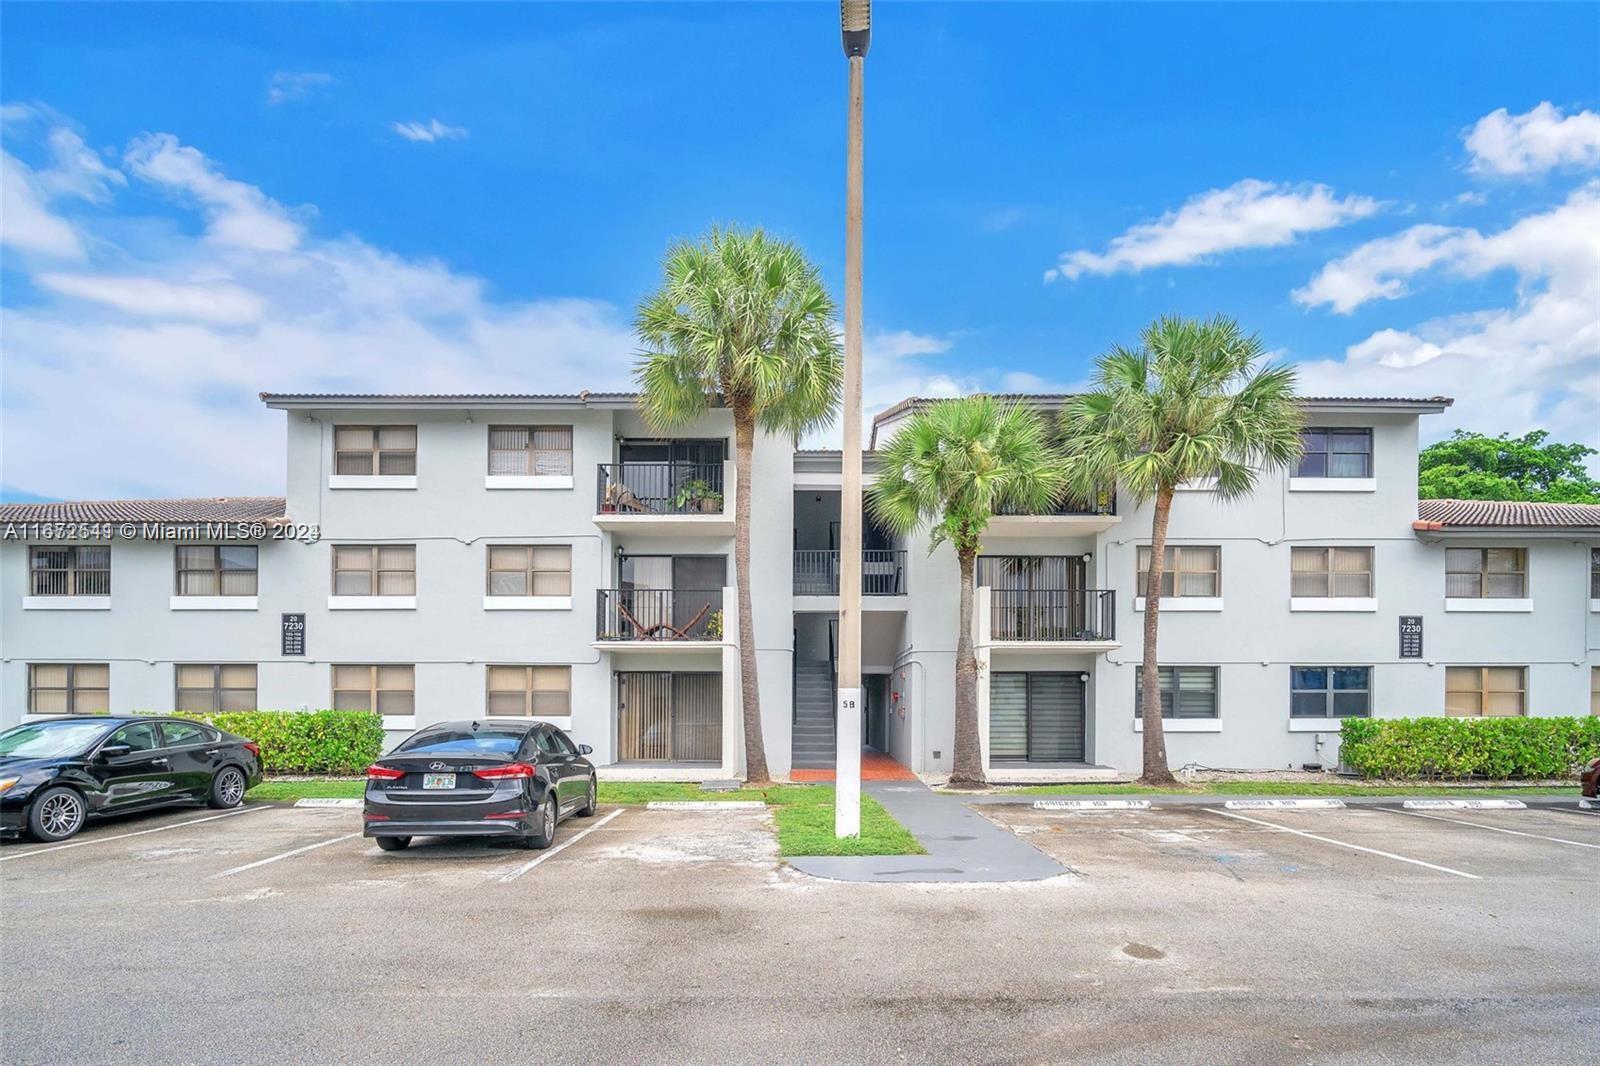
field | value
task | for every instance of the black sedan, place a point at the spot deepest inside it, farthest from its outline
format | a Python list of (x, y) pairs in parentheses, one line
[(496, 777), (57, 774)]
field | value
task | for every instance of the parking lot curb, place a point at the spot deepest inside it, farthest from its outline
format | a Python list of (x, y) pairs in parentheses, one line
[(1464, 805), (327, 803), (705, 805), (1087, 805), (1284, 804)]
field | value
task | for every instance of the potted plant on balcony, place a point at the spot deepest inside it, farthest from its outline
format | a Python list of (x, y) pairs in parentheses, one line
[(697, 495)]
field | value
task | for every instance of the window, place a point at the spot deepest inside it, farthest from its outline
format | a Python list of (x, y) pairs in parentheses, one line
[(1485, 573), (1188, 571), (537, 691), (1335, 453), (383, 688), (530, 570), (174, 734), (375, 450), (546, 743), (1330, 691), (1186, 691), (564, 744), (1594, 573), (69, 688), (530, 451), (1485, 691), (1594, 690), (375, 570), (1330, 572), (140, 737), (217, 570), (80, 571), (210, 688)]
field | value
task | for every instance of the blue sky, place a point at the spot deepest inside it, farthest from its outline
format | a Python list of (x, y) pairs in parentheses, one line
[(202, 202)]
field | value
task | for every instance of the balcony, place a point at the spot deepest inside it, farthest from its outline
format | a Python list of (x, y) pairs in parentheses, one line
[(1083, 617), (665, 497), (1066, 519), (883, 573), (650, 619)]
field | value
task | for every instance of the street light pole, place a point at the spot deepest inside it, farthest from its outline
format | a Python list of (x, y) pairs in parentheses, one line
[(855, 18)]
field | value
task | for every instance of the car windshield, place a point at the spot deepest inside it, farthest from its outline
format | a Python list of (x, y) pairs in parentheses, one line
[(49, 740), (462, 742)]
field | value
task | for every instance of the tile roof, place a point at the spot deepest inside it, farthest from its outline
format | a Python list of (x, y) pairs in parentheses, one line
[(448, 399), (194, 509), (1060, 397), (1506, 514)]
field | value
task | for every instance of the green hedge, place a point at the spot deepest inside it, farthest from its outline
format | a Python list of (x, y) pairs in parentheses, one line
[(1495, 748), (307, 742)]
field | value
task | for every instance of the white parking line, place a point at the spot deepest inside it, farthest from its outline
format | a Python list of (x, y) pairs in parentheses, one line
[(137, 833), (1492, 828), (285, 855), (1343, 844), (531, 863)]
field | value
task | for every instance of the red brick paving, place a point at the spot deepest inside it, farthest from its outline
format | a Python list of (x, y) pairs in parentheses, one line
[(875, 766)]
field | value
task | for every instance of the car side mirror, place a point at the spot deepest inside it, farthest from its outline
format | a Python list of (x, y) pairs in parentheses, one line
[(584, 749), (114, 751)]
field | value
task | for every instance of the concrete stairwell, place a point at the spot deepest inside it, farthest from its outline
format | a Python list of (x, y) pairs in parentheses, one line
[(814, 711)]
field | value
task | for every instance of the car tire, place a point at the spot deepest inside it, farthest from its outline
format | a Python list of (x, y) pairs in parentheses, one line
[(227, 789), (545, 835), (393, 843), (56, 814), (591, 802)]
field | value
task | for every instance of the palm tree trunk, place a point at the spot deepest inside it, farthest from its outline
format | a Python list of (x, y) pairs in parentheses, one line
[(755, 751), (968, 754), (1155, 738)]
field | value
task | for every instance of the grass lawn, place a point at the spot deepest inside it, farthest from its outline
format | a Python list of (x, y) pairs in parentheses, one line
[(803, 813), (1287, 788)]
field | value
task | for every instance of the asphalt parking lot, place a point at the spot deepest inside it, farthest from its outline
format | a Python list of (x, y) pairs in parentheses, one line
[(278, 934)]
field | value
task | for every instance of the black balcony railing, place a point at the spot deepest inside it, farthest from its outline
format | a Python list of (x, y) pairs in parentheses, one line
[(1052, 615), (659, 614), (883, 572), (671, 487), (1102, 505)]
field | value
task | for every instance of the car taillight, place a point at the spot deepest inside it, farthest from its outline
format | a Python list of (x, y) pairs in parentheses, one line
[(253, 748), (384, 773), (500, 773)]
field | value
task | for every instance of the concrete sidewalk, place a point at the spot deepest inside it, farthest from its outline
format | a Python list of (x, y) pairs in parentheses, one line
[(963, 846)]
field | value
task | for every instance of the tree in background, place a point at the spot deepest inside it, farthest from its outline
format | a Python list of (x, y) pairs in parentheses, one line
[(953, 467), (744, 321), (1190, 402), (1471, 466)]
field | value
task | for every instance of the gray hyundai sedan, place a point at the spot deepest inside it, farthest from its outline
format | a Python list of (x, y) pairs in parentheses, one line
[(494, 777)]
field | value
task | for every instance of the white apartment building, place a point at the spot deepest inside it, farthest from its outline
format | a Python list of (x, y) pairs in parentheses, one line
[(441, 557)]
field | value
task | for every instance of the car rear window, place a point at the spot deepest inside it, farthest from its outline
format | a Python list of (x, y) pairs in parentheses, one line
[(462, 742)]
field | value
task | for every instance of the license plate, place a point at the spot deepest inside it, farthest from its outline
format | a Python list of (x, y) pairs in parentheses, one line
[(438, 780)]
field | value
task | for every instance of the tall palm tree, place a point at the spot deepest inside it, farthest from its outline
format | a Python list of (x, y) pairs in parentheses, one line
[(953, 467), (741, 320), (1192, 401)]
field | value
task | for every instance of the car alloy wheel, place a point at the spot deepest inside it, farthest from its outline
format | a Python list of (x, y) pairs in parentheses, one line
[(230, 787), (61, 814), (550, 819)]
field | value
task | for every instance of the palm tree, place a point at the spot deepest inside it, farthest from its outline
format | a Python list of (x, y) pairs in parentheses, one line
[(953, 467), (1192, 401), (741, 320)]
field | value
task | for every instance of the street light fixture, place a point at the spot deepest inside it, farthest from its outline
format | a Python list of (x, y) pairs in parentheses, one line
[(855, 22)]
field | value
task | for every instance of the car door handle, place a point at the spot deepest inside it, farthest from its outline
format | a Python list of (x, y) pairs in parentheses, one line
[(158, 762)]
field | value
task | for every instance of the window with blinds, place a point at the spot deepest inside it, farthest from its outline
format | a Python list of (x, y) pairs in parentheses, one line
[(1485, 573), (70, 571), (209, 688), (385, 688), (530, 451), (1335, 453), (529, 691), (1036, 717), (217, 569), (530, 570), (375, 450), (1485, 691), (1186, 691), (1594, 573), (1189, 570), (1330, 691), (669, 717), (375, 570), (69, 688), (1330, 573)]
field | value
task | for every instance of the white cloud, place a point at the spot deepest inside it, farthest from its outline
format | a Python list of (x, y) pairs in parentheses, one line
[(1378, 269), (78, 172), (1533, 142), (1534, 363), (1248, 214), (428, 132), (237, 214), (287, 86), (26, 224), (161, 347)]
